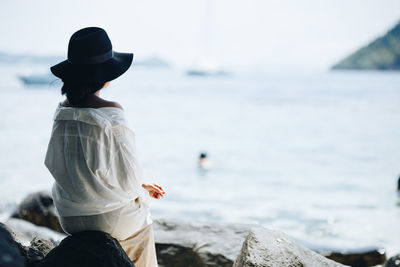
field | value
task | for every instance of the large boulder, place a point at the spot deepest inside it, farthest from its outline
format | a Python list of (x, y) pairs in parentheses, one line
[(32, 247), (393, 261), (10, 255), (266, 248), (87, 249), (216, 244), (38, 208)]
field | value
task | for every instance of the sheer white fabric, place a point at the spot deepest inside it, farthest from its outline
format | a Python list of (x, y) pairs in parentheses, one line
[(120, 223), (92, 157)]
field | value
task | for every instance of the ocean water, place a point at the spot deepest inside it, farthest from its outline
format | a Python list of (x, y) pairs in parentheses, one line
[(316, 155)]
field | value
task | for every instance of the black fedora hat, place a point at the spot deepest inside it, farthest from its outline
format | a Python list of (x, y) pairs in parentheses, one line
[(91, 58)]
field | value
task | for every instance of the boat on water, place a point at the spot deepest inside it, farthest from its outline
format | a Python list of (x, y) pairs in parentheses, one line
[(205, 72), (207, 68), (37, 79), (207, 64)]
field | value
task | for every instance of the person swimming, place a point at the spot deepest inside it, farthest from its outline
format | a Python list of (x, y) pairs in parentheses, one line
[(398, 192), (398, 186), (204, 162)]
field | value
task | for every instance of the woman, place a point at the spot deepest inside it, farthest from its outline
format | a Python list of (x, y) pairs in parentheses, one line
[(91, 153)]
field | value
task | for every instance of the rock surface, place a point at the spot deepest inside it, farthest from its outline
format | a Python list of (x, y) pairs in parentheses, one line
[(393, 261), (25, 231), (10, 255), (37, 249), (177, 242), (266, 248), (360, 257), (33, 250), (38, 208), (216, 244), (177, 256), (87, 249)]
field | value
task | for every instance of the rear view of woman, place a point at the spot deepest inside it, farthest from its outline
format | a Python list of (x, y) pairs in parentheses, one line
[(91, 153)]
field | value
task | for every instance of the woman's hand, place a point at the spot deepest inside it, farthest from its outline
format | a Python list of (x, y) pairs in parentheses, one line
[(155, 191)]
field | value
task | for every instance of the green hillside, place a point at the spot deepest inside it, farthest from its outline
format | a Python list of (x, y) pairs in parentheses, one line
[(381, 54)]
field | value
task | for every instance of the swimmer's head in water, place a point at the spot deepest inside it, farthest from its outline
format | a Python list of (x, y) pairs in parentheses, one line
[(398, 184), (203, 155)]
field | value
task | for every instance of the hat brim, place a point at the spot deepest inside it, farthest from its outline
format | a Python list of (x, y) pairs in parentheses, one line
[(103, 72)]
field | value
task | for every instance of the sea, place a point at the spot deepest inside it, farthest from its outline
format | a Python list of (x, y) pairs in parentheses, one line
[(315, 154)]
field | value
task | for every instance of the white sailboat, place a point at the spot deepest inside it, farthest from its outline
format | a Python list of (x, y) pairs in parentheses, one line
[(38, 79), (208, 66)]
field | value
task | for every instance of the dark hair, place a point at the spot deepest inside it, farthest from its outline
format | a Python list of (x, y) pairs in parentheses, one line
[(398, 184), (203, 155), (77, 92)]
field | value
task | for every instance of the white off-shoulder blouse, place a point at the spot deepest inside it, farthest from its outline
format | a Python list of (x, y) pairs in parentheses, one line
[(92, 157)]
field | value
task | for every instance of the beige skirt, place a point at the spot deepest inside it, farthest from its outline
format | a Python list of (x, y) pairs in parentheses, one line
[(140, 248)]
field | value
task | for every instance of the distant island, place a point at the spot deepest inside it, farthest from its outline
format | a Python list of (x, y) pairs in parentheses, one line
[(381, 54), (152, 62), (10, 58)]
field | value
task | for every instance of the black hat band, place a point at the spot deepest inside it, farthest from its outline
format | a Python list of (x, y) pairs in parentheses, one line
[(95, 59)]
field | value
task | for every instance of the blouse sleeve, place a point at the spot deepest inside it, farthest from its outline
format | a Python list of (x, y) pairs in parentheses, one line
[(124, 168)]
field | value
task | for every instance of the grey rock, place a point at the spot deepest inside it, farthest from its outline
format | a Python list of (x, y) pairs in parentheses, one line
[(184, 244), (87, 249), (10, 255), (31, 244), (177, 256), (361, 257), (38, 208), (37, 249), (25, 231), (266, 248), (356, 257), (393, 261), (216, 244)]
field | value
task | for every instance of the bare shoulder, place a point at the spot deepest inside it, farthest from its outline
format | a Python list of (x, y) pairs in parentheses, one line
[(111, 104), (102, 103), (93, 102)]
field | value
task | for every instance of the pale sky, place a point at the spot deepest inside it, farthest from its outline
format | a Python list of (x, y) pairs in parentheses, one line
[(311, 34)]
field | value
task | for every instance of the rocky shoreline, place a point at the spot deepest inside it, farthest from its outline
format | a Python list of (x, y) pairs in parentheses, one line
[(33, 237)]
